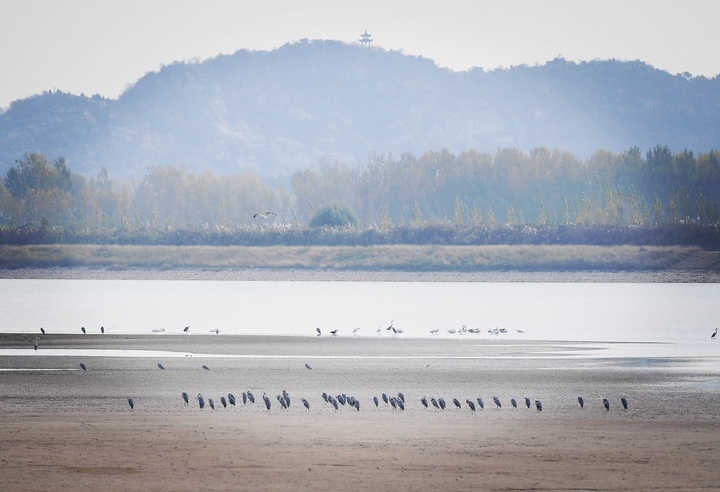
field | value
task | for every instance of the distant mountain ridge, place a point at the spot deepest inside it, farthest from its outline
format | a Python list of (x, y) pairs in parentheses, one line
[(313, 101)]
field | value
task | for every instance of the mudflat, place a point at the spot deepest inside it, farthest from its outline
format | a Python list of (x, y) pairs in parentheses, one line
[(65, 428)]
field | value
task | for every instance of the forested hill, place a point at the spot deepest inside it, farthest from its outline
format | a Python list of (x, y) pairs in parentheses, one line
[(314, 101)]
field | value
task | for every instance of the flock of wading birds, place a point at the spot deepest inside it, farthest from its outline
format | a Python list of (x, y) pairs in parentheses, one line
[(396, 402)]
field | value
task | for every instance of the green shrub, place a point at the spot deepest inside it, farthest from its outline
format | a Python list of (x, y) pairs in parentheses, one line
[(334, 215)]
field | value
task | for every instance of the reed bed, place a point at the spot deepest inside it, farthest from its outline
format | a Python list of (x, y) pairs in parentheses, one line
[(371, 258)]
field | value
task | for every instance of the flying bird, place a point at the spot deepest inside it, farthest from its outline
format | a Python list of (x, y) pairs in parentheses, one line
[(355, 330), (131, 403), (264, 216)]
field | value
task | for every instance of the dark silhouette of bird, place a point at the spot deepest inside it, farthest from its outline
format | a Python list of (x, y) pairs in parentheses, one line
[(43, 330), (714, 333), (624, 402), (307, 366), (581, 402), (401, 396), (333, 402), (131, 403), (470, 404), (441, 401), (250, 396), (161, 366), (102, 329), (264, 216), (305, 403), (434, 402), (318, 332), (231, 399), (457, 403), (325, 397), (424, 401), (82, 328), (376, 401), (185, 397), (527, 402), (390, 327), (36, 343), (481, 403), (216, 331), (606, 403), (334, 332), (356, 404), (538, 405), (205, 367), (399, 403), (513, 402), (244, 398), (497, 402), (223, 401), (211, 403), (267, 401), (82, 366), (385, 398), (393, 402), (186, 329), (201, 401), (286, 397)]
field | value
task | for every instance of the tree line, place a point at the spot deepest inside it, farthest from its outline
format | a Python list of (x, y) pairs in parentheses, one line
[(545, 189)]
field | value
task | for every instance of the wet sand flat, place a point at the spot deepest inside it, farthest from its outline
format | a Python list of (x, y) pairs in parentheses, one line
[(63, 428)]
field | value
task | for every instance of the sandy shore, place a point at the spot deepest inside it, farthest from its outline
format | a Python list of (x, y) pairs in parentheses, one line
[(64, 428), (267, 274)]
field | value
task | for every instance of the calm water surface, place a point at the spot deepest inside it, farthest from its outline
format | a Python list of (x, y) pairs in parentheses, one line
[(611, 312)]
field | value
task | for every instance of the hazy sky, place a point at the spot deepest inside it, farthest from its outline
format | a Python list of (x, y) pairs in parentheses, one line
[(102, 46)]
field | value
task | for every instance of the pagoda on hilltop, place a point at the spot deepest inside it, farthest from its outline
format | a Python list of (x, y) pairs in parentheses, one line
[(365, 39)]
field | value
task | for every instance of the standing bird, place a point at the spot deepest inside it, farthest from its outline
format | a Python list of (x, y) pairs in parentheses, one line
[(401, 396), (36, 343), (441, 401), (334, 332), (481, 403), (377, 402), (250, 396), (267, 401), (82, 366), (390, 327), (513, 402), (244, 398), (399, 402), (305, 403), (201, 401), (357, 405), (470, 404), (102, 329), (606, 403), (231, 399), (624, 402), (527, 402), (434, 402), (385, 398), (160, 366), (423, 400), (318, 332), (457, 403), (497, 402), (223, 401), (211, 403), (307, 366), (538, 405), (711, 336), (355, 330), (185, 397), (131, 403), (82, 328), (42, 330), (581, 402)]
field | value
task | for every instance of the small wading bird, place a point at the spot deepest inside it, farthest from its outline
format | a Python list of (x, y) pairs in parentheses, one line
[(334, 332), (264, 216)]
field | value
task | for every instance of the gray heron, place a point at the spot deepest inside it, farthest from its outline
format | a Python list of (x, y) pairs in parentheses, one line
[(250, 396), (624, 402), (36, 343), (42, 330), (205, 367), (376, 401), (102, 329), (434, 402), (581, 402), (481, 403), (470, 404), (160, 366), (527, 402), (441, 402), (307, 366), (385, 398), (305, 403), (538, 405), (457, 403), (714, 333), (401, 396), (231, 399), (211, 403), (424, 401), (497, 402), (513, 402), (244, 398), (267, 401), (223, 401), (606, 403), (318, 332), (185, 397), (186, 329), (131, 403), (82, 328), (201, 401)]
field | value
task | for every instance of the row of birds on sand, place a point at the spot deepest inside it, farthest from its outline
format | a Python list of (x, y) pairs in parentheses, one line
[(396, 402)]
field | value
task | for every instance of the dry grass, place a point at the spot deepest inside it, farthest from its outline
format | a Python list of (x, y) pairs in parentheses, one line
[(373, 258)]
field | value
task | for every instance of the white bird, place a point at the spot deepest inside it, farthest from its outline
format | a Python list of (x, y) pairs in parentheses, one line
[(264, 216)]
